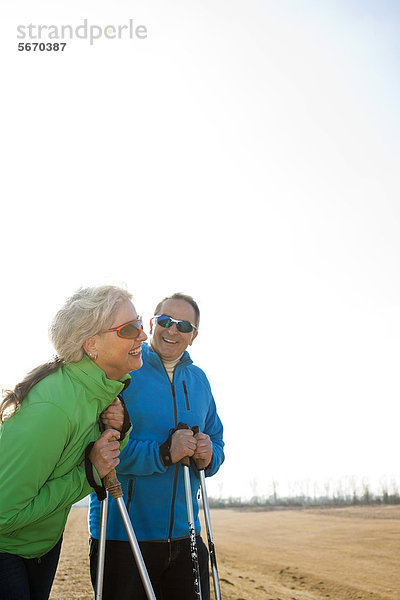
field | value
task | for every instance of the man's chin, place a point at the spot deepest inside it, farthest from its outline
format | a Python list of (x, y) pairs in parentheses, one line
[(169, 348), (166, 350), (170, 353)]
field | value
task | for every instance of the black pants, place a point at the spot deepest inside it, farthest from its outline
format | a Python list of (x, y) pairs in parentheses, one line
[(169, 565), (28, 578)]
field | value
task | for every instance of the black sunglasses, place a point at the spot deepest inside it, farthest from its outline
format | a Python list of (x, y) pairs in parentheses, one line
[(182, 326)]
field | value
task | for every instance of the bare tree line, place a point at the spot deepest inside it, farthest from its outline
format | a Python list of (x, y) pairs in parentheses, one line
[(348, 493)]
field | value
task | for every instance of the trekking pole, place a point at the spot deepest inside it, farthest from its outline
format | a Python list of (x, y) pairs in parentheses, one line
[(185, 462), (101, 548), (114, 488), (200, 464)]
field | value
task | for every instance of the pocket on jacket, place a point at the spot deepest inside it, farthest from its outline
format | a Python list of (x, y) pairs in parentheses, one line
[(186, 395)]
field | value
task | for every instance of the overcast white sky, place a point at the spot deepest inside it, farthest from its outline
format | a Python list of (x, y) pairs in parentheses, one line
[(246, 153)]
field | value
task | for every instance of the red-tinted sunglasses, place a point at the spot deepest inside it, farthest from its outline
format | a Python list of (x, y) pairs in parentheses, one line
[(130, 330)]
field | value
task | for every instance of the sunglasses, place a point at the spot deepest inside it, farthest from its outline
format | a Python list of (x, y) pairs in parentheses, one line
[(182, 326), (130, 330)]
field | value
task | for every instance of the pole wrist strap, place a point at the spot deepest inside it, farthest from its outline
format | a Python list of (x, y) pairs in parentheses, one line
[(99, 489)]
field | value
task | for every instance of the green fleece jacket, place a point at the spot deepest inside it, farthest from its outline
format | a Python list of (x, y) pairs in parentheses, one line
[(42, 447)]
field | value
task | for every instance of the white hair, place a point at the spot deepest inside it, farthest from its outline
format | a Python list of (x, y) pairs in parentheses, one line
[(88, 312)]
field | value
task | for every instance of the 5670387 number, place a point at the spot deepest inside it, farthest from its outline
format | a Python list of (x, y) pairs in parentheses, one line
[(41, 47)]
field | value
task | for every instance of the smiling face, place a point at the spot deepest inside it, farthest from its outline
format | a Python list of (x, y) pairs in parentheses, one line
[(171, 343), (115, 355)]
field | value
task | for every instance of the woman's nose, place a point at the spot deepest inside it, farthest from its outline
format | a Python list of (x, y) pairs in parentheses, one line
[(142, 336)]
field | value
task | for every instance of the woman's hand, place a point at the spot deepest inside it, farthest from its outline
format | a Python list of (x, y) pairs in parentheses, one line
[(105, 452), (113, 416)]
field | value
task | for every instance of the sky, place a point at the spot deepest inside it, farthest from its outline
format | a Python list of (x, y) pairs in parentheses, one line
[(246, 153)]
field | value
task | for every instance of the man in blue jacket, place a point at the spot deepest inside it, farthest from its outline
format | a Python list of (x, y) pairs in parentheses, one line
[(169, 389)]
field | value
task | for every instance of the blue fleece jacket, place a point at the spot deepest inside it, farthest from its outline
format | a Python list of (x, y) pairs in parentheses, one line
[(155, 495)]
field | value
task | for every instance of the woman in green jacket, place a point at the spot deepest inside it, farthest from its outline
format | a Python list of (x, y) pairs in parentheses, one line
[(51, 451)]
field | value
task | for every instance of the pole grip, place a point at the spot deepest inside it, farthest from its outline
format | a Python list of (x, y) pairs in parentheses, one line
[(185, 461), (200, 464), (111, 482), (113, 485)]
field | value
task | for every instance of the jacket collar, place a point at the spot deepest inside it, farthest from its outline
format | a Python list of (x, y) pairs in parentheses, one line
[(156, 361), (94, 378)]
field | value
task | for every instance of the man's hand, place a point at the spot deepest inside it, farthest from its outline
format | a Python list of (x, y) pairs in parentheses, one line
[(105, 452), (204, 450), (113, 416), (183, 444)]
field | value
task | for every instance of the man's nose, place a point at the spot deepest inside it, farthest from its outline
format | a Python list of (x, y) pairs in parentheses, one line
[(173, 327)]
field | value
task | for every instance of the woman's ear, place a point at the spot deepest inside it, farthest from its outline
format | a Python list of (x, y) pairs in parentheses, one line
[(90, 347)]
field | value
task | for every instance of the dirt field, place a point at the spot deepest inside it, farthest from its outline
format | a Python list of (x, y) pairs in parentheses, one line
[(341, 554)]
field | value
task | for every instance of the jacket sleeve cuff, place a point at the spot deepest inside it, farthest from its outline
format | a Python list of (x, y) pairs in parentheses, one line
[(208, 467), (165, 455)]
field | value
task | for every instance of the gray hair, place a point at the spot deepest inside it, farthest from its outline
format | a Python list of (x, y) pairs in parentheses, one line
[(88, 312), (186, 298)]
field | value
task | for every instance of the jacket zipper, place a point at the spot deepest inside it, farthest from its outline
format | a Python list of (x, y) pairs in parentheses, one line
[(171, 522), (186, 395), (130, 486)]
